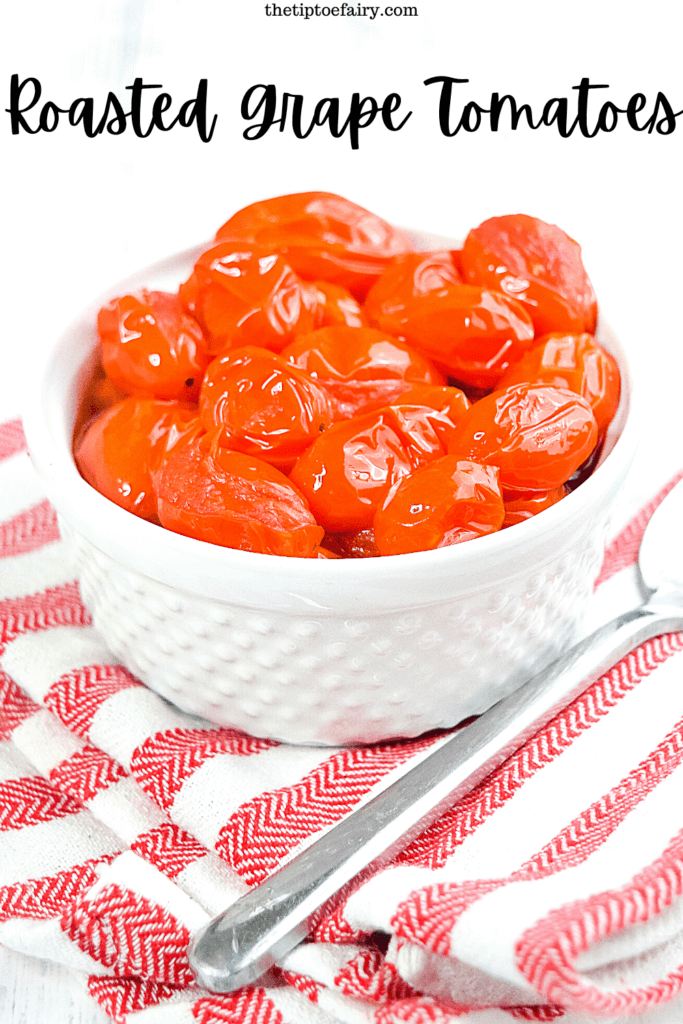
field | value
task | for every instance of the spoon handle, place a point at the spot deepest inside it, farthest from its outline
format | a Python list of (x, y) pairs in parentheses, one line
[(262, 926)]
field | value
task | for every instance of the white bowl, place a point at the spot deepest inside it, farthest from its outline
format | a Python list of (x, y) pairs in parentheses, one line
[(316, 651)]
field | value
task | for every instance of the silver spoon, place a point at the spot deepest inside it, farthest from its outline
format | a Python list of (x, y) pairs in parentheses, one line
[(262, 926)]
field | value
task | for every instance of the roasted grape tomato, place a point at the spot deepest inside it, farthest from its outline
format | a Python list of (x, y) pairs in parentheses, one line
[(443, 503), (356, 544), (263, 405), (537, 435), (536, 263), (151, 348), (469, 332), (575, 362), (120, 449), (323, 237), (415, 273), (449, 400), (350, 353), (349, 470), (245, 295), (227, 498)]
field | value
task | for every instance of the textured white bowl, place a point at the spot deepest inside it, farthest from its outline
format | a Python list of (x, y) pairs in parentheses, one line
[(316, 651)]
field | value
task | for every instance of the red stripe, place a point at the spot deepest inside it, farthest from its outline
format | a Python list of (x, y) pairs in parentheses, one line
[(29, 530), (302, 983), (623, 550), (423, 1010), (76, 697), (165, 760), (370, 977), (31, 801), (47, 897), (120, 996), (546, 952), (12, 439), (247, 1006), (15, 706), (86, 773), (169, 847), (58, 606), (264, 830), (131, 935)]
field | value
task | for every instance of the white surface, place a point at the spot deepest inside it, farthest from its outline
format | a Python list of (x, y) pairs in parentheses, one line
[(82, 213)]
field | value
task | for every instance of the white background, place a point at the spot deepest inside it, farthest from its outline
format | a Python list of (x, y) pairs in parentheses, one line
[(80, 213)]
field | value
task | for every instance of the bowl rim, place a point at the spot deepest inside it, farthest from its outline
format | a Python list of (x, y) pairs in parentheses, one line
[(131, 540)]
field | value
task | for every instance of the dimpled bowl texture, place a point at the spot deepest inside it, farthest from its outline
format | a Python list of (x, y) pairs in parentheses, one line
[(310, 650)]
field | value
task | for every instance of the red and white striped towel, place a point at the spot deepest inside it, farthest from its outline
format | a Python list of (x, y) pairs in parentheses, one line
[(554, 890)]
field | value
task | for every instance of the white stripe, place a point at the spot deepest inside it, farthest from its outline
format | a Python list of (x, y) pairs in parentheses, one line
[(20, 486), (321, 961), (297, 1008), (486, 934), (49, 566), (13, 764), (350, 1011), (223, 783), (37, 660), (126, 809), (46, 940), (131, 872), (35, 851), (177, 1010), (212, 883), (45, 741), (129, 717)]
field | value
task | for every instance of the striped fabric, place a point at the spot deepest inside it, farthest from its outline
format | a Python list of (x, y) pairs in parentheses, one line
[(553, 891)]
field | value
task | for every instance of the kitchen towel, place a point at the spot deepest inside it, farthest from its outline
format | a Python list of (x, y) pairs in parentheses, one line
[(554, 891)]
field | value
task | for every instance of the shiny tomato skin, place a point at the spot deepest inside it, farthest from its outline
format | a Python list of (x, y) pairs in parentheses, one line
[(263, 406), (230, 499), (323, 237), (537, 264), (349, 470), (242, 294), (526, 504), (407, 276), (537, 435), (342, 353), (337, 306), (445, 502), (151, 348), (469, 332), (119, 451), (360, 369), (576, 362), (452, 402)]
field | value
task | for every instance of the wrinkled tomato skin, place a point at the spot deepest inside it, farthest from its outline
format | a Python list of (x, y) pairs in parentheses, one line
[(443, 503), (336, 306), (263, 406), (226, 498), (526, 504), (349, 470), (469, 332), (537, 435), (118, 452), (537, 264), (415, 273), (575, 362), (151, 348), (452, 402), (350, 353), (245, 295), (323, 237), (360, 369)]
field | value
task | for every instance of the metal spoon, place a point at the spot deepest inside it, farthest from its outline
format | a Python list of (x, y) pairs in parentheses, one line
[(238, 946)]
